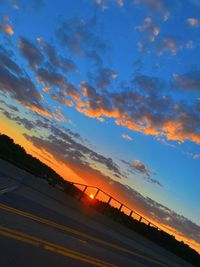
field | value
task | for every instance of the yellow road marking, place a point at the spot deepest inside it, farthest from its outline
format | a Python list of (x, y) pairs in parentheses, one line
[(52, 247), (76, 232)]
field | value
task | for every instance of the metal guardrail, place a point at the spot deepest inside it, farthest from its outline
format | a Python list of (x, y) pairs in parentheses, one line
[(132, 214)]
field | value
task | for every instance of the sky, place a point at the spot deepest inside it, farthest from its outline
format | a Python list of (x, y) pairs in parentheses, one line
[(107, 93)]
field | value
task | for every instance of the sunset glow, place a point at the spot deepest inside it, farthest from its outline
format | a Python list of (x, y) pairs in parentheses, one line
[(107, 93)]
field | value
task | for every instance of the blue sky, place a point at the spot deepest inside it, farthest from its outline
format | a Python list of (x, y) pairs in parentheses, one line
[(111, 90)]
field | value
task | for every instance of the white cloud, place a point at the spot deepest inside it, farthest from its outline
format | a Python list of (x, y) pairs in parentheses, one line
[(126, 136), (193, 22)]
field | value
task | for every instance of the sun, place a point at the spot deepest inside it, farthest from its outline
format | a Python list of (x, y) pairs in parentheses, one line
[(91, 196)]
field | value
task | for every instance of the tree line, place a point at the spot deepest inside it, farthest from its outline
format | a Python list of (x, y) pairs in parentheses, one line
[(17, 155)]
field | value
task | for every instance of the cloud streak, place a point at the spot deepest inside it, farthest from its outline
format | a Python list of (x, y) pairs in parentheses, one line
[(30, 52), (193, 22), (62, 144), (7, 28), (138, 167), (189, 81), (150, 113), (127, 137), (16, 83), (56, 146), (155, 7), (80, 38)]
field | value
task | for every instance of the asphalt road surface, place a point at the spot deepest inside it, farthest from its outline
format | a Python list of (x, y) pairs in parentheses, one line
[(35, 241), (38, 231)]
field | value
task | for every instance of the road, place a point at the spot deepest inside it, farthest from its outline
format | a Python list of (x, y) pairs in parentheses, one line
[(38, 231), (26, 235)]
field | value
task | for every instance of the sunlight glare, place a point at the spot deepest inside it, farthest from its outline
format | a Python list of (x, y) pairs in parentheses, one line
[(91, 196)]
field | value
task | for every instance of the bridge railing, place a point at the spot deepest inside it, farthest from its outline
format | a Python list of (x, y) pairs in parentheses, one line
[(96, 193)]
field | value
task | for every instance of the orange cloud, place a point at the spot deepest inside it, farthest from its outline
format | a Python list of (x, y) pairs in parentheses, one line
[(47, 89), (8, 29), (172, 129), (39, 110), (141, 113)]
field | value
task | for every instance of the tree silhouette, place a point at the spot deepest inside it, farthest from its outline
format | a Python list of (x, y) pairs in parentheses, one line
[(17, 155)]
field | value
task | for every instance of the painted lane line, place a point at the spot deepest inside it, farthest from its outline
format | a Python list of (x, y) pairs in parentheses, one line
[(76, 232), (52, 247)]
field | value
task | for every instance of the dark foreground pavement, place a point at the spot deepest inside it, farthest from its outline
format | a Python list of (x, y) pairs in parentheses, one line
[(37, 230), (26, 240)]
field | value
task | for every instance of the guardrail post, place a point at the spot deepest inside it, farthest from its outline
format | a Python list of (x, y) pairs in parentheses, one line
[(131, 213), (140, 219), (83, 192), (120, 207), (95, 195), (109, 201)]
